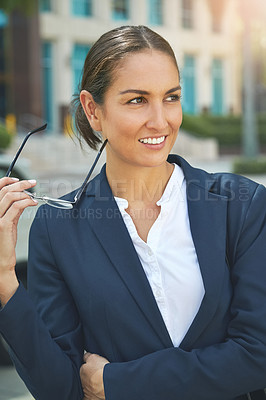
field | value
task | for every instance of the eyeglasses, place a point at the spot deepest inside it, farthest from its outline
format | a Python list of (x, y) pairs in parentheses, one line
[(58, 203)]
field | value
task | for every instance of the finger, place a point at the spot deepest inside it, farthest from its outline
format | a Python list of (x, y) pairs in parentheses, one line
[(17, 187), (9, 199), (14, 212), (7, 181)]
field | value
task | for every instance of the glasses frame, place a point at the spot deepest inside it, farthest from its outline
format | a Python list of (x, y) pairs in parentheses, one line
[(54, 202)]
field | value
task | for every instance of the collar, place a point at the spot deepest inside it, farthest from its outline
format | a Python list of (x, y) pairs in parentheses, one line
[(173, 185)]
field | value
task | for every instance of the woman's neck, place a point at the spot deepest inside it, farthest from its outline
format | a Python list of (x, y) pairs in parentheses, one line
[(138, 184)]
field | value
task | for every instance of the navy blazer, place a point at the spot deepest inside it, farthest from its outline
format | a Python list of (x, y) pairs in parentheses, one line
[(91, 293)]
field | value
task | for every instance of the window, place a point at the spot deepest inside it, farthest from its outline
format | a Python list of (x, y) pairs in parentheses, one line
[(82, 8), (189, 85), (187, 14), (78, 57), (217, 86), (47, 72), (45, 5), (120, 9), (217, 9), (155, 12), (3, 19)]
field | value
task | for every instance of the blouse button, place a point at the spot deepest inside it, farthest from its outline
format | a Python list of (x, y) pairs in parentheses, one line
[(150, 252)]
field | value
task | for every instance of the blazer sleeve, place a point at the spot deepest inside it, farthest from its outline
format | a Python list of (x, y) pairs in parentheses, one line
[(42, 327), (224, 370)]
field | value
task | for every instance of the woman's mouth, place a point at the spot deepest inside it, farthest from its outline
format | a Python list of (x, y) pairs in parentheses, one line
[(153, 140)]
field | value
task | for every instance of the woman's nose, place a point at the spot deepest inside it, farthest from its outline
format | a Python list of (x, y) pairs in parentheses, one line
[(157, 118)]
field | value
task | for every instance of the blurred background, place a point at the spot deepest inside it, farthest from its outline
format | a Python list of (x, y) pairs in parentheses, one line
[(220, 46)]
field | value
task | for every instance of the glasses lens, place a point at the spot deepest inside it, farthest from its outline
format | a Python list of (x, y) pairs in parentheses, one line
[(58, 203)]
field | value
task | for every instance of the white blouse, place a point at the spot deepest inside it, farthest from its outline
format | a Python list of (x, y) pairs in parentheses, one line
[(169, 258)]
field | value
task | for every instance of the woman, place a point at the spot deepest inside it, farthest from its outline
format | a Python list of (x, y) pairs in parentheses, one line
[(158, 273)]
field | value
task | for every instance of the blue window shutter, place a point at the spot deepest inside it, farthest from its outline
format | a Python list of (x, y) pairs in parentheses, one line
[(82, 8), (155, 12), (47, 72), (217, 87), (189, 85), (120, 10), (78, 57)]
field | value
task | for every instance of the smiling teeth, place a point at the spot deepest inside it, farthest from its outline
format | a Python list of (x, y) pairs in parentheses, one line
[(152, 140)]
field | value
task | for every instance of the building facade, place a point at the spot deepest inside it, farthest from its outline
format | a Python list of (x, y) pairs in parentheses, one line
[(201, 32)]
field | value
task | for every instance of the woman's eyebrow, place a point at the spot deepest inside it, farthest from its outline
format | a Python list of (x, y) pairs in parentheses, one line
[(138, 91), (174, 89)]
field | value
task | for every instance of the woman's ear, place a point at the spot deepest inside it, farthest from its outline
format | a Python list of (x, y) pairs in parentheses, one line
[(91, 110)]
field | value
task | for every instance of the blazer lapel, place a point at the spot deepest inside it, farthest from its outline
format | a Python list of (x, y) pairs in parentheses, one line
[(207, 215), (115, 239)]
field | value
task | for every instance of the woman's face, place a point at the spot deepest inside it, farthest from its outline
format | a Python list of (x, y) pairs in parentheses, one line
[(141, 114)]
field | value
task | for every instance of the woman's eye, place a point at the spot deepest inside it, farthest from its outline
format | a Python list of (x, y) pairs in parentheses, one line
[(173, 97), (136, 100)]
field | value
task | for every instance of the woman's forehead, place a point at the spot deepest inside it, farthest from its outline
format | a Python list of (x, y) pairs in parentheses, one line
[(144, 67), (144, 57)]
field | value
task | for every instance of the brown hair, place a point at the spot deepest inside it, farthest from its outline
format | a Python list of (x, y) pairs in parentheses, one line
[(100, 63)]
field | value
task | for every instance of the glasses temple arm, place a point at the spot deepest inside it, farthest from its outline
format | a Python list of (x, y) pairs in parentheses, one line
[(83, 187), (41, 128)]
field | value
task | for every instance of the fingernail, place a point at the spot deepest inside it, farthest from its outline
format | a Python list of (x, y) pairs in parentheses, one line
[(35, 201), (32, 181), (14, 179)]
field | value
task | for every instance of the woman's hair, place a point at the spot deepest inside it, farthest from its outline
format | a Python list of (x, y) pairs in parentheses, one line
[(100, 64)]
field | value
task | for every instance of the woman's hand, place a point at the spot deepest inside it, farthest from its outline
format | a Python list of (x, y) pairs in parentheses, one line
[(13, 202), (91, 374)]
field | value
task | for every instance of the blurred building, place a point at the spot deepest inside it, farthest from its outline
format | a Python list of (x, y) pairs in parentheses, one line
[(201, 32), (20, 69)]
